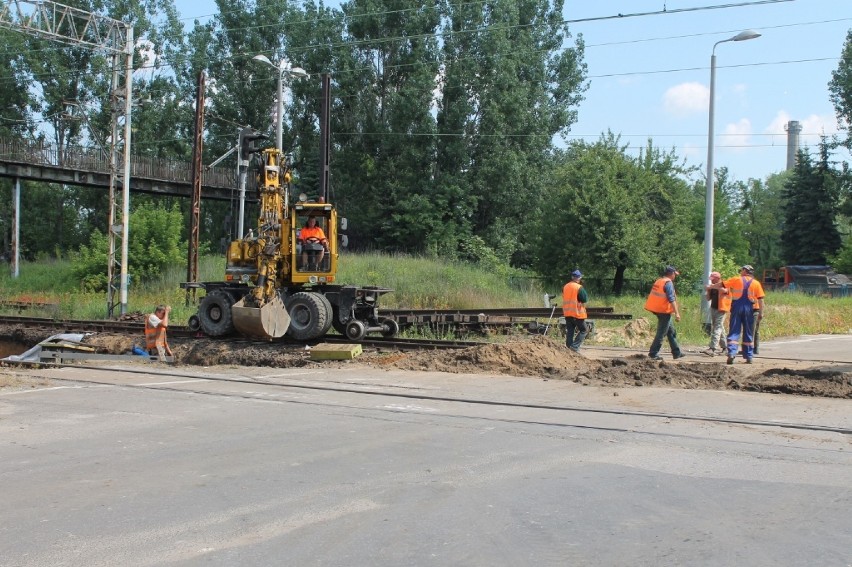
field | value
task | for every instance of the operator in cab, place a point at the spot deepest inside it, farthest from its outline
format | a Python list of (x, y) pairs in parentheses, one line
[(314, 245)]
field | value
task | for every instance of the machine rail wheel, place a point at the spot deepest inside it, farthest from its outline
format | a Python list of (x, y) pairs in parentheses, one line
[(356, 330), (215, 313), (194, 323), (309, 318), (390, 328)]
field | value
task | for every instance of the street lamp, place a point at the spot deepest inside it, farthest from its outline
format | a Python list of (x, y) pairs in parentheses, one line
[(284, 68), (709, 191)]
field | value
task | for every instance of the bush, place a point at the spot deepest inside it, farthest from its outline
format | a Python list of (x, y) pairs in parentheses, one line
[(154, 247)]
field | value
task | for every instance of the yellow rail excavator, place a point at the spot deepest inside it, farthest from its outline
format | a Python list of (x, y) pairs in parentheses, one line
[(282, 280)]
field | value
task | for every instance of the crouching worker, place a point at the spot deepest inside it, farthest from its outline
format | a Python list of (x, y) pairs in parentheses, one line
[(155, 333)]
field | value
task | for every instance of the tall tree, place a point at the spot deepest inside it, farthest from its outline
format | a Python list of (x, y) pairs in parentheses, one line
[(614, 216), (396, 42), (763, 217), (809, 234), (510, 85), (840, 89)]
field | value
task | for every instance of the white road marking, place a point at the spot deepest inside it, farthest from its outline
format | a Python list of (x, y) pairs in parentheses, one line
[(30, 391), (174, 382), (286, 375), (408, 408)]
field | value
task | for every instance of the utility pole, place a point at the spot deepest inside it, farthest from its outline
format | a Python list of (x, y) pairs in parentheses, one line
[(195, 209)]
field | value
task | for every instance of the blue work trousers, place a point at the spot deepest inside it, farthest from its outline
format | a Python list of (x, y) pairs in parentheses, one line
[(575, 332), (665, 328), (742, 324)]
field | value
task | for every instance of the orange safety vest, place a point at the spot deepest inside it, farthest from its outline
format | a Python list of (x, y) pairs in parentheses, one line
[(724, 301), (735, 287), (657, 301), (311, 232), (154, 336), (571, 306)]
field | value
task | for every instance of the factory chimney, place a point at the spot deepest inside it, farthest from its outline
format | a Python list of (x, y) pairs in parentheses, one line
[(793, 128)]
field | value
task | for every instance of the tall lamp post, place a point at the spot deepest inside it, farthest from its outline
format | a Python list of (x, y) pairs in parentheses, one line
[(284, 68), (709, 191)]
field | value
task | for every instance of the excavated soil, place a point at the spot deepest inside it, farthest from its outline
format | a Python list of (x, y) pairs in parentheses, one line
[(534, 356)]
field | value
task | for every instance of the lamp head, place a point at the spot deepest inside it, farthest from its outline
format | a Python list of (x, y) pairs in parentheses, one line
[(297, 72), (263, 59), (745, 35)]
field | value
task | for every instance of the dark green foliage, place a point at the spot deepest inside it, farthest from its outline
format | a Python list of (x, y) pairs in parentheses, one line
[(616, 217), (842, 261), (154, 246), (762, 220), (509, 86), (840, 89), (809, 234)]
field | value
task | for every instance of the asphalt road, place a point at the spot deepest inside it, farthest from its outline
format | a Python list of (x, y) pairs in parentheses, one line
[(150, 465)]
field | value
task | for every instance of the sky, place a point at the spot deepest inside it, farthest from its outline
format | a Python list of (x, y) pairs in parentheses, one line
[(649, 75)]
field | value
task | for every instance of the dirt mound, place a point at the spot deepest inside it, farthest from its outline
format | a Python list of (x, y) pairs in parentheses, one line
[(544, 358), (634, 333), (211, 352), (112, 344), (537, 356)]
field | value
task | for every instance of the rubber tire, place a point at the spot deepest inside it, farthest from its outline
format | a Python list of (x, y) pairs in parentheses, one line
[(194, 323), (356, 330), (329, 314), (214, 314), (390, 327), (309, 318), (335, 322)]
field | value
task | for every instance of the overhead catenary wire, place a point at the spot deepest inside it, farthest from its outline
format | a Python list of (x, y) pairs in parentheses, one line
[(163, 66)]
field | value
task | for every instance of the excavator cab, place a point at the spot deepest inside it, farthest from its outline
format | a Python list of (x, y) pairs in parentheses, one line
[(315, 250), (312, 244)]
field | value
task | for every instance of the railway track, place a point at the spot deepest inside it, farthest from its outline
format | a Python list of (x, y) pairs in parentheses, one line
[(480, 321), (134, 328)]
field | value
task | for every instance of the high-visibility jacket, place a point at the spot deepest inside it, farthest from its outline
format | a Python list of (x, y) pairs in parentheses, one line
[(724, 301), (154, 336), (736, 285), (657, 301), (311, 232), (571, 306)]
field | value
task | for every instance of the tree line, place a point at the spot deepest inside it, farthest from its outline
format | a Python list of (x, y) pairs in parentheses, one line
[(450, 126)]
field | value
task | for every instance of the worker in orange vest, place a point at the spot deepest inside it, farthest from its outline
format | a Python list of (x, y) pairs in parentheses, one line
[(156, 324), (662, 302), (745, 293), (574, 299), (313, 240), (720, 305)]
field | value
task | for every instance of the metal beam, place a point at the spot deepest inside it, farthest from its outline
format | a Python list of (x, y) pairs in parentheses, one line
[(72, 26)]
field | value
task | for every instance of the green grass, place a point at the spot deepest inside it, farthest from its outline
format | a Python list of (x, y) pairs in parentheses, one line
[(418, 283)]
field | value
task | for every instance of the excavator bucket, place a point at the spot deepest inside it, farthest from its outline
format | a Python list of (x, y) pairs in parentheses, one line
[(268, 322)]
